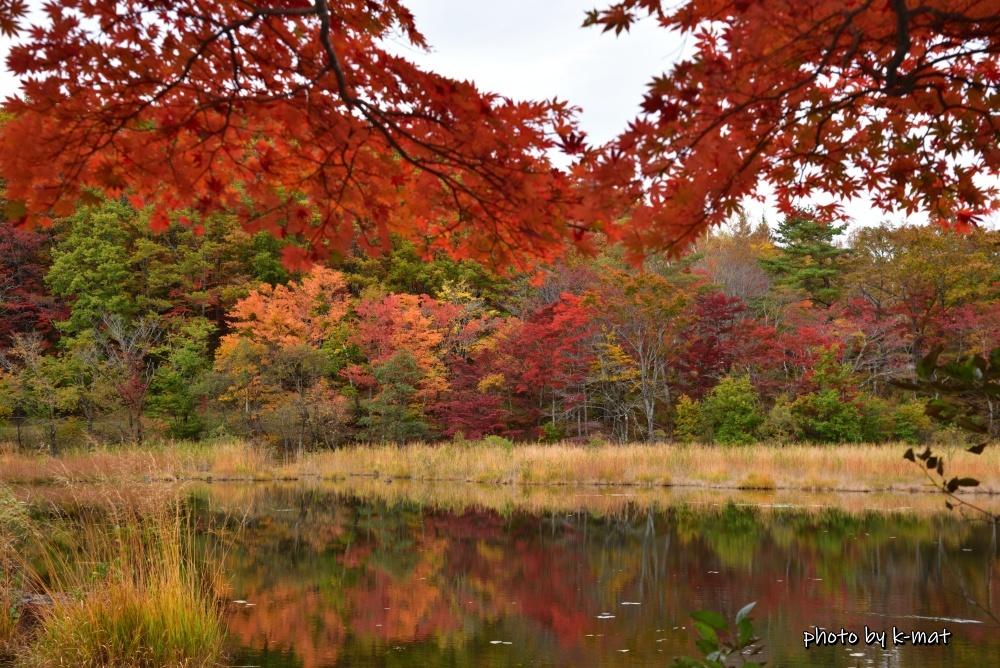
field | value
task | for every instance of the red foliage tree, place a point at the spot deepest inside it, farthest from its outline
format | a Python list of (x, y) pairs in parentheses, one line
[(394, 323), (782, 362), (711, 340), (477, 403), (845, 98), (294, 115), (25, 305), (553, 347)]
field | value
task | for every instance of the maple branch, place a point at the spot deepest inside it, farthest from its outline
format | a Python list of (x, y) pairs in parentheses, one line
[(902, 48), (323, 12)]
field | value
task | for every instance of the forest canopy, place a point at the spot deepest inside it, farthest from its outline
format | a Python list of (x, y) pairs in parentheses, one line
[(790, 334)]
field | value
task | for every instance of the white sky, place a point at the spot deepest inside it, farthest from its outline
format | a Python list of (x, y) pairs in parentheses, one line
[(536, 49)]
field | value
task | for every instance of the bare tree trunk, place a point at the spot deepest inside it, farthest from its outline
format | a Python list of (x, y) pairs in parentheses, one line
[(53, 448), (19, 422), (138, 425)]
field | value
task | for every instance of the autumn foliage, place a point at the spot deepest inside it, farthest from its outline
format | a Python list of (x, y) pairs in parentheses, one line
[(195, 192), (890, 99), (757, 334), (296, 117)]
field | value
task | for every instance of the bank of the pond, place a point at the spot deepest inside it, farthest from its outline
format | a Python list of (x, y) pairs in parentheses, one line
[(860, 468), (599, 500)]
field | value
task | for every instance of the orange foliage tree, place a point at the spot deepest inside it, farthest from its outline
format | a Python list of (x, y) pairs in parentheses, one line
[(303, 313), (274, 358), (400, 324), (292, 114)]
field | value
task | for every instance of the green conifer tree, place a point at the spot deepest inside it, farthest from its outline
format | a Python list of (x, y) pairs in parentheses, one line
[(809, 259)]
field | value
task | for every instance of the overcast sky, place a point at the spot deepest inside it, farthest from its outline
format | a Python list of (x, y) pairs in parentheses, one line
[(536, 49)]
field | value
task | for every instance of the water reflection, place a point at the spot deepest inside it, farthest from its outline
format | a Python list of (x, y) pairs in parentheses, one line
[(335, 580)]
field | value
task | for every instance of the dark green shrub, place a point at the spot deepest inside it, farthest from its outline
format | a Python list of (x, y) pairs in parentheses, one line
[(731, 412), (876, 419), (825, 417)]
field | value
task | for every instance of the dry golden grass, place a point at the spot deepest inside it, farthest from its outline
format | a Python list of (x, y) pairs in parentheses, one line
[(863, 468), (224, 460), (14, 522), (798, 467)]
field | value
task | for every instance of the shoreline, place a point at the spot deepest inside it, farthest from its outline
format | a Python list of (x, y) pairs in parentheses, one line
[(801, 468)]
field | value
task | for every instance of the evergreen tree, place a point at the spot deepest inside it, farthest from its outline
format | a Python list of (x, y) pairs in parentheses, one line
[(808, 260), (391, 416)]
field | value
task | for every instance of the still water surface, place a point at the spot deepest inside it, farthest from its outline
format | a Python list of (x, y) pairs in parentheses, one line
[(321, 578)]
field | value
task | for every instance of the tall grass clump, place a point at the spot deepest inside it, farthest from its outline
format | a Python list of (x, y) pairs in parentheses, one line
[(126, 588), (13, 529)]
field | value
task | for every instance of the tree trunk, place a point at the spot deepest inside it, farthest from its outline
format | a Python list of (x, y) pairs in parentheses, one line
[(53, 448), (138, 425), (18, 420)]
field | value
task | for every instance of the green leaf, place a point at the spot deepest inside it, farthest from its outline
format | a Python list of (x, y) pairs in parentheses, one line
[(972, 424), (926, 366), (705, 646), (977, 449), (968, 482), (713, 619), (745, 610), (686, 662), (909, 455), (932, 462), (707, 632), (960, 372), (745, 632), (941, 409)]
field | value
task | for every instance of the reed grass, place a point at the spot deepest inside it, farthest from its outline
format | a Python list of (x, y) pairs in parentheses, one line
[(125, 588), (798, 467), (855, 467), (13, 527)]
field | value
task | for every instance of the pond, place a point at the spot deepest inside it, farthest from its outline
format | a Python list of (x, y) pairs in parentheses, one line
[(326, 577)]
